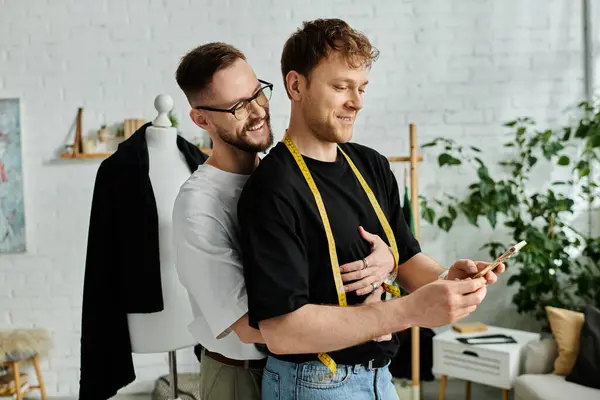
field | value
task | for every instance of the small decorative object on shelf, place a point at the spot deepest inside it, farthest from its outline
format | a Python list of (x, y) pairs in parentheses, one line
[(132, 125), (88, 147), (103, 133), (206, 150), (78, 148), (120, 130), (204, 143), (173, 119)]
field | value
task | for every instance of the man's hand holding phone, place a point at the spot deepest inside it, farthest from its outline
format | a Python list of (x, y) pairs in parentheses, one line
[(463, 269)]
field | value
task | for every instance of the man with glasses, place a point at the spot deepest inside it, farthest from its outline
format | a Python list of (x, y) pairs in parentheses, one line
[(232, 105)]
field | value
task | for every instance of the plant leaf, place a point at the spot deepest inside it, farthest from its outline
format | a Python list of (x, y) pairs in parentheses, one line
[(428, 214), (491, 216), (564, 160), (452, 212), (446, 158), (582, 130), (445, 223), (532, 160)]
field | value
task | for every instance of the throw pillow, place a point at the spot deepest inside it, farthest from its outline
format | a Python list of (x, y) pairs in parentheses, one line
[(566, 328), (540, 356), (586, 371)]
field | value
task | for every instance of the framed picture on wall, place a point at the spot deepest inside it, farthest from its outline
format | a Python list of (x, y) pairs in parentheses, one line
[(12, 209)]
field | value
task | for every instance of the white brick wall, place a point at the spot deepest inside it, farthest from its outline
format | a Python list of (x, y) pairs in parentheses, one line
[(458, 68)]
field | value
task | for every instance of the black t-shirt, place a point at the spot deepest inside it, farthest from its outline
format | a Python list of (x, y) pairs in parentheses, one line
[(283, 243)]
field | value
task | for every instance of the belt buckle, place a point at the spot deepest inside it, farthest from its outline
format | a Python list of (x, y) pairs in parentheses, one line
[(370, 366)]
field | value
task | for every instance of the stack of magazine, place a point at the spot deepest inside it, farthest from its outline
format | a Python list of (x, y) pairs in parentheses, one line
[(8, 388)]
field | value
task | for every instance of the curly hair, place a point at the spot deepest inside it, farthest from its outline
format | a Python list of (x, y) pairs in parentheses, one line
[(306, 47)]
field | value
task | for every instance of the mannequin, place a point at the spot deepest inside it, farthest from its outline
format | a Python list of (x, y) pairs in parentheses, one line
[(132, 299), (167, 330)]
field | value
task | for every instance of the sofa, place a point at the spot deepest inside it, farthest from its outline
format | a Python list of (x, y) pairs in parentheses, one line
[(539, 383), (551, 365)]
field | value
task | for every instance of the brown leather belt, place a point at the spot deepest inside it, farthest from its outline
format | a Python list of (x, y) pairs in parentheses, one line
[(254, 364)]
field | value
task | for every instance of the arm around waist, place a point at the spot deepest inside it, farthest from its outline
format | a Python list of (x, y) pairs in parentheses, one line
[(319, 328)]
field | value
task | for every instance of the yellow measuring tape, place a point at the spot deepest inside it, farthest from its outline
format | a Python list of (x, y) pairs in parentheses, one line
[(324, 357)]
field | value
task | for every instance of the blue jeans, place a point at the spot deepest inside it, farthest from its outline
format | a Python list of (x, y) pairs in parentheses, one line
[(283, 380)]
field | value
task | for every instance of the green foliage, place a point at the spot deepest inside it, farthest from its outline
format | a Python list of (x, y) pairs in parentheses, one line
[(548, 274), (173, 119), (120, 130)]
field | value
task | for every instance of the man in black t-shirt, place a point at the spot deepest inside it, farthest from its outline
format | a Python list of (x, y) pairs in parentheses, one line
[(293, 245)]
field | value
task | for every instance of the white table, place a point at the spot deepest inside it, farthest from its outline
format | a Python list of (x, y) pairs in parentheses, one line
[(495, 365)]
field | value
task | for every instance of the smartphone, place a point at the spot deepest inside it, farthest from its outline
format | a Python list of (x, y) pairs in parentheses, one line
[(511, 252)]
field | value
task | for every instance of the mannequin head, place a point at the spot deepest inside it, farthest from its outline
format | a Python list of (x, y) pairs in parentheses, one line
[(324, 66), (227, 99)]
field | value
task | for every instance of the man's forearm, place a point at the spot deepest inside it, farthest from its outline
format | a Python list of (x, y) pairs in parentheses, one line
[(318, 328), (245, 332), (418, 271)]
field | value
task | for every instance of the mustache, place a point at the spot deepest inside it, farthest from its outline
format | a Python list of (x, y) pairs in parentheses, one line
[(266, 118)]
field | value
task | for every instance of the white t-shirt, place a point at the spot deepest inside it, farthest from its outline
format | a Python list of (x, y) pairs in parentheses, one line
[(208, 260)]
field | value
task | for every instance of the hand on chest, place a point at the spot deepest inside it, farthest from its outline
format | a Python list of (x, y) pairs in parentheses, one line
[(347, 207)]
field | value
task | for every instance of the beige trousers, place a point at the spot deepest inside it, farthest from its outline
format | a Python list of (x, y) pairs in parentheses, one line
[(220, 381)]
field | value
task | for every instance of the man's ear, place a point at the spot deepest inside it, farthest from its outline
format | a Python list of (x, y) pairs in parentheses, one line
[(295, 84), (199, 119)]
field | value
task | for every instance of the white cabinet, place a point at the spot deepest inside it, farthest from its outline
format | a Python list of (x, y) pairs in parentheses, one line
[(489, 364)]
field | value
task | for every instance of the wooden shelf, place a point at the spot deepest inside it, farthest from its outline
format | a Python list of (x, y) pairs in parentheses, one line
[(85, 155)]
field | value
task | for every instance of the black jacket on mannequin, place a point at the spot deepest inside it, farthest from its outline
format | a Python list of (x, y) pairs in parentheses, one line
[(122, 269)]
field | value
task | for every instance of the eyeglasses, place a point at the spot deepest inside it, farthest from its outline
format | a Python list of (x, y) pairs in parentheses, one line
[(241, 109)]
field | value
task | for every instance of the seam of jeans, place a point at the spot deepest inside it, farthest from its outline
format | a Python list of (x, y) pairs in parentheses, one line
[(375, 384)]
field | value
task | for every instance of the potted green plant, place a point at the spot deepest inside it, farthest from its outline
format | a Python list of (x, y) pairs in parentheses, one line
[(560, 266), (173, 119), (120, 130)]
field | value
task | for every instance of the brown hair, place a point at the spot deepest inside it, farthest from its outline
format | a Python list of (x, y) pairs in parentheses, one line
[(306, 47), (197, 67)]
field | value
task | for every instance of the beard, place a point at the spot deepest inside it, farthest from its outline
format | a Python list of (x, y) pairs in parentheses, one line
[(324, 129), (242, 141)]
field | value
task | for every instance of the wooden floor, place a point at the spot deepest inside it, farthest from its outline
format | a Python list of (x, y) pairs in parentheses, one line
[(455, 390)]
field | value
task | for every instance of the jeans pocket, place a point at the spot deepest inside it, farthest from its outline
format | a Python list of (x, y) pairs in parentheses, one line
[(270, 385), (317, 376)]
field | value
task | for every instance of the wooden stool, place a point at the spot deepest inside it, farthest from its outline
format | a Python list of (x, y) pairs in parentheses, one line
[(16, 372), (19, 346)]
